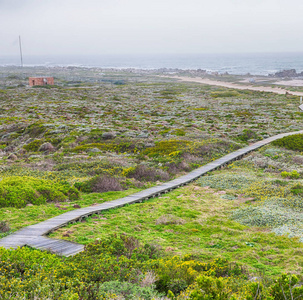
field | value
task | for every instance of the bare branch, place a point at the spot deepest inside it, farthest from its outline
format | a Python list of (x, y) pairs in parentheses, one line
[(282, 290), (256, 297), (290, 289), (299, 297)]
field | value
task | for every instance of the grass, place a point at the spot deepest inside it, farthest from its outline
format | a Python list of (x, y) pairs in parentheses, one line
[(206, 231), (29, 215)]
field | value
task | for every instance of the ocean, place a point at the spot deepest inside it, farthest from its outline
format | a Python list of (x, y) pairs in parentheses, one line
[(240, 64)]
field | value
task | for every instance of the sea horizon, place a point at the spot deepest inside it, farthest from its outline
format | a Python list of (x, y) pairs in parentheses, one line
[(236, 64)]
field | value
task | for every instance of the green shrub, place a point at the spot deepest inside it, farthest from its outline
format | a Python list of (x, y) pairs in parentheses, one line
[(291, 142), (35, 129), (164, 132), (118, 245), (224, 94), (176, 274), (33, 146), (297, 189), (286, 288), (17, 191), (293, 174), (166, 148), (199, 108), (247, 134), (179, 132), (243, 113), (211, 289), (118, 146), (119, 267), (128, 290)]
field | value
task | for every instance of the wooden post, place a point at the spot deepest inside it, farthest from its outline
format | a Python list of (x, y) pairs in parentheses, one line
[(20, 51)]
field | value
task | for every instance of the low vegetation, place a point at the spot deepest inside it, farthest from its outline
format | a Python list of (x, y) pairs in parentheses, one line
[(17, 191), (120, 267), (293, 142), (236, 233)]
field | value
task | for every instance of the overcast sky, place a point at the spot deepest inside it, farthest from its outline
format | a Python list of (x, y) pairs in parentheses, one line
[(150, 26)]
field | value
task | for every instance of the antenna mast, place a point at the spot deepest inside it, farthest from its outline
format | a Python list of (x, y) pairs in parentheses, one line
[(20, 51)]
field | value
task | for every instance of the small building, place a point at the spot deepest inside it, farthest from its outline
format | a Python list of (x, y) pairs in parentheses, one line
[(41, 81)]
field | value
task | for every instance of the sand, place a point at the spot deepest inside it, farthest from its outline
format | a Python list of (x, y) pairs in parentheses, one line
[(276, 90), (293, 82)]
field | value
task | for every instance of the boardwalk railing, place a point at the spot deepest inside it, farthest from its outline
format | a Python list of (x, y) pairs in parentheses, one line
[(34, 235)]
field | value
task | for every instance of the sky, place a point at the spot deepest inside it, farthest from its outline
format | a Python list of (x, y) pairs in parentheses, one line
[(97, 27)]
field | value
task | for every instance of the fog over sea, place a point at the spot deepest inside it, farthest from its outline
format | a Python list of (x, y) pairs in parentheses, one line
[(241, 64)]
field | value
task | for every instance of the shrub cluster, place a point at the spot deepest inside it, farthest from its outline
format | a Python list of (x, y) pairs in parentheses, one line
[(17, 191), (4, 227), (34, 145), (99, 184), (119, 146), (167, 148), (178, 150), (297, 189), (292, 175), (226, 181), (207, 287), (291, 142), (277, 203), (270, 214), (247, 134), (144, 173), (119, 267), (138, 175), (224, 94)]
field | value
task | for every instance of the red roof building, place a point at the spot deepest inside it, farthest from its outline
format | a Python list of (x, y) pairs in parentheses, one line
[(41, 81)]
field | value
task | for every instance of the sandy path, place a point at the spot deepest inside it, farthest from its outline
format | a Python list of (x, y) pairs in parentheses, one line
[(276, 90)]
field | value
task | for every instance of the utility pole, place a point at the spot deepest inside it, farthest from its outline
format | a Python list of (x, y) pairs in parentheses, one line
[(20, 51)]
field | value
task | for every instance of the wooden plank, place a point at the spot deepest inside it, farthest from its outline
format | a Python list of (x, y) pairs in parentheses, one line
[(33, 235)]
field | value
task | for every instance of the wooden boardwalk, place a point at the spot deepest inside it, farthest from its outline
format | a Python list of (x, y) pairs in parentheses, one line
[(35, 235)]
